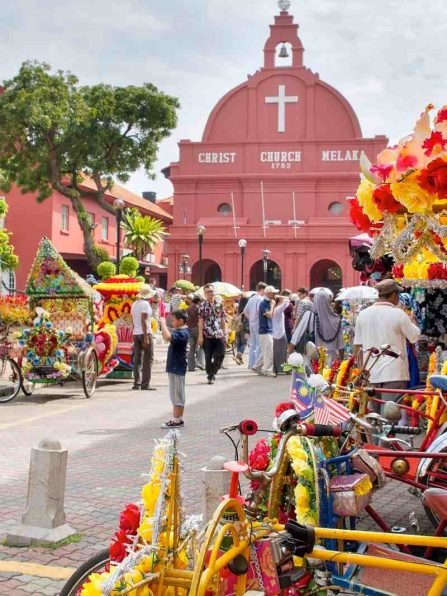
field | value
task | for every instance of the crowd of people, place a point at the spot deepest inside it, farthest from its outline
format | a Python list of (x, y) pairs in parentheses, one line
[(259, 328)]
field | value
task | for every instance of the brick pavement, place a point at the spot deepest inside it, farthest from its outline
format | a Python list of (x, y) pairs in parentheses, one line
[(108, 472)]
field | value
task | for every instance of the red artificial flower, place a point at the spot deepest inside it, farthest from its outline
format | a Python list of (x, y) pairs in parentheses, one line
[(383, 198), (358, 217), (381, 170), (406, 162), (398, 271), (441, 116), (118, 548), (259, 458), (434, 178), (434, 144), (283, 407), (130, 519)]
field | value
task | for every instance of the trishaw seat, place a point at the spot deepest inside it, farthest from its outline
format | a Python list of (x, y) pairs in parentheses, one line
[(439, 382), (436, 500)]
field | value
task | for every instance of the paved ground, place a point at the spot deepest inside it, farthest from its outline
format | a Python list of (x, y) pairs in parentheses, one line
[(110, 438)]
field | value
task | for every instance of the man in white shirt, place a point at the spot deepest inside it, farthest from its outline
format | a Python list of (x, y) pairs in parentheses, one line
[(385, 323), (251, 311), (143, 355)]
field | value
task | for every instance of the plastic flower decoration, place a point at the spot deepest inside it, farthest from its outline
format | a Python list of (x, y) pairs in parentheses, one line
[(295, 362)]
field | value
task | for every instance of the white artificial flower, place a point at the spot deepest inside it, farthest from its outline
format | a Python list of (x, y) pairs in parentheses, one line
[(316, 381), (295, 359)]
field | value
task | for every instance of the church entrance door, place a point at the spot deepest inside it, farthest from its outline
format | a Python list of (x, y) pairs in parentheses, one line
[(273, 274), (326, 274), (211, 272)]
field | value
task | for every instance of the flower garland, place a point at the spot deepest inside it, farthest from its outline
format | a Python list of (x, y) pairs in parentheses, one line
[(14, 310), (119, 286), (306, 495), (142, 538), (44, 346)]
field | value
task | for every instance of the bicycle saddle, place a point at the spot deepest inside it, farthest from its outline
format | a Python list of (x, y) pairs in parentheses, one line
[(439, 382), (436, 500)]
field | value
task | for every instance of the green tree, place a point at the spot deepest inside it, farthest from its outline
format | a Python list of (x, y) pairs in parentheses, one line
[(142, 233), (53, 132)]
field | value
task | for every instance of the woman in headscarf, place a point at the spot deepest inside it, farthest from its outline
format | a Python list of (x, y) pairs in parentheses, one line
[(323, 325)]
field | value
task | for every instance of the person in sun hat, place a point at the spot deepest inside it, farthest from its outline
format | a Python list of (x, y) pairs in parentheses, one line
[(385, 323), (143, 344), (264, 364)]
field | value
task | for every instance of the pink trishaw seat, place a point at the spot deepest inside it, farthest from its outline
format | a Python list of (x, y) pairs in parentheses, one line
[(236, 467)]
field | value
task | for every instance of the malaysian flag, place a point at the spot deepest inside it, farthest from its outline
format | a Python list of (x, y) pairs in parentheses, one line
[(302, 394), (329, 411), (310, 400)]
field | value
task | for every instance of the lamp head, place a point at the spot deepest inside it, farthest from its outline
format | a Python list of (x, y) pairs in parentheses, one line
[(242, 243), (201, 230), (118, 204), (266, 253)]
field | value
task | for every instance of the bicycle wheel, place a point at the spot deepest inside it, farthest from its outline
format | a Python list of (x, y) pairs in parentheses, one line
[(10, 380), (95, 564), (90, 373)]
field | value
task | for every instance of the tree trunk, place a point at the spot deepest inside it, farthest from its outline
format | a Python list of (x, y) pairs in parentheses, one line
[(89, 243)]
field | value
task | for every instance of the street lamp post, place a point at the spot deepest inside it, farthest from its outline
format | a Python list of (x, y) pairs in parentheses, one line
[(265, 261), (184, 266), (242, 245), (118, 206), (200, 233)]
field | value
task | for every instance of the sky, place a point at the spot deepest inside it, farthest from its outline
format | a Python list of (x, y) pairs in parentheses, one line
[(387, 57)]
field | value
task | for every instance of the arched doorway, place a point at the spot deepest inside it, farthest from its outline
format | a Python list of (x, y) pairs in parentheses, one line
[(326, 273), (211, 272), (273, 274)]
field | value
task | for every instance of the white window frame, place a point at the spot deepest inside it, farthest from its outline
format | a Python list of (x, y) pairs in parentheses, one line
[(104, 228), (65, 218)]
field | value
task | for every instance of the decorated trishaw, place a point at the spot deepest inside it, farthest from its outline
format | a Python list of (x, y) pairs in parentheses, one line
[(60, 346)]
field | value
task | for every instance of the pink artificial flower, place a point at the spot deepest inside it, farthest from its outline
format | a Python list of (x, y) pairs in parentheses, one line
[(381, 170), (406, 162)]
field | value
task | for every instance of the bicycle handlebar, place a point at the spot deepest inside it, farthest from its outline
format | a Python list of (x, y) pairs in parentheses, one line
[(318, 430), (406, 430)]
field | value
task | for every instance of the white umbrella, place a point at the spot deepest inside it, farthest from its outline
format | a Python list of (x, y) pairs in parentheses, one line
[(326, 290), (358, 294), (224, 289)]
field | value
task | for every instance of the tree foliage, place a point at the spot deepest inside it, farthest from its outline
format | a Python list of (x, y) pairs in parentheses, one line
[(142, 232), (53, 132)]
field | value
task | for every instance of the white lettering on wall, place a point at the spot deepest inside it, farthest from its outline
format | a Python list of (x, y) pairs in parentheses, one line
[(340, 155), (280, 160), (212, 158)]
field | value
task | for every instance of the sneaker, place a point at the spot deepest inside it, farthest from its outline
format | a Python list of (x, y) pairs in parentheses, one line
[(173, 424), (256, 370), (136, 387), (211, 381), (268, 374), (149, 388)]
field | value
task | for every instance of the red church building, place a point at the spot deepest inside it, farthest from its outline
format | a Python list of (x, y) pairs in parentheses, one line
[(278, 157)]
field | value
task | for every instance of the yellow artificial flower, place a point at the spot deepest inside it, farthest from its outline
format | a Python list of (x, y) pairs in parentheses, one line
[(147, 564), (363, 487), (412, 196), (299, 466), (295, 450), (364, 196), (150, 494), (145, 530), (94, 585), (302, 497), (182, 560)]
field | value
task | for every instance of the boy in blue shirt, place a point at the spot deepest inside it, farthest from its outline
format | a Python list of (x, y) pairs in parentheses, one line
[(176, 365)]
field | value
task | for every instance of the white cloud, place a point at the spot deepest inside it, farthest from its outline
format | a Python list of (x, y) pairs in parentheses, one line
[(386, 57)]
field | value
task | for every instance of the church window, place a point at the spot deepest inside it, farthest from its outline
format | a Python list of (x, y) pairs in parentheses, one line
[(336, 208), (224, 209)]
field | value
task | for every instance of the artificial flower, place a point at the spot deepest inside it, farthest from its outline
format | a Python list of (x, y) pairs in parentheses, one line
[(283, 407), (150, 494), (358, 217), (382, 171), (118, 548), (295, 359), (130, 519), (435, 144), (259, 458), (385, 201), (94, 585), (434, 178), (316, 381), (146, 529), (364, 196), (410, 194)]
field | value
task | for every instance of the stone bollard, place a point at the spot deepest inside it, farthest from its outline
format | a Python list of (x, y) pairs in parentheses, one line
[(215, 484), (44, 517)]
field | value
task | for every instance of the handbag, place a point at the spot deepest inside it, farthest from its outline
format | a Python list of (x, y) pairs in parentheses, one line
[(308, 335)]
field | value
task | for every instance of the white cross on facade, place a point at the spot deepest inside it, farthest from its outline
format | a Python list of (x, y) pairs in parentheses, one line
[(282, 100)]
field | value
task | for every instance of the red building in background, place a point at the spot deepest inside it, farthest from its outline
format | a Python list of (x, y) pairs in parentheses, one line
[(278, 157), (55, 218)]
